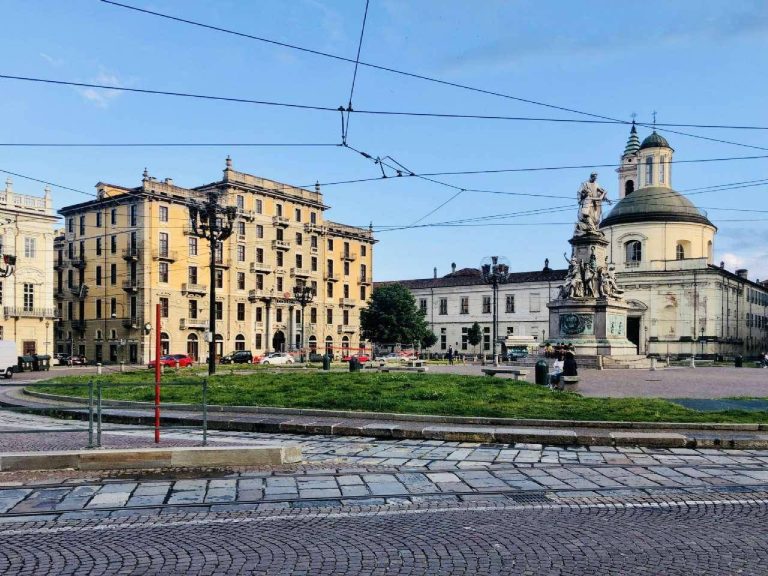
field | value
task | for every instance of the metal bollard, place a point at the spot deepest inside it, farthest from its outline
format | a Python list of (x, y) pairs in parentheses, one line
[(98, 415), (205, 412), (90, 414), (693, 362), (122, 366)]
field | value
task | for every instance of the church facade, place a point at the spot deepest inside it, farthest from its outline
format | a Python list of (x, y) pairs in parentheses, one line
[(661, 246)]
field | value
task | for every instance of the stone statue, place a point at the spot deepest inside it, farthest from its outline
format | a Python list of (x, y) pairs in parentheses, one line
[(606, 283), (589, 272), (591, 197), (573, 287)]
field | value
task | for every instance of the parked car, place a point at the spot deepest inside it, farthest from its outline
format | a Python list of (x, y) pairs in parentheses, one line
[(167, 361), (61, 359), (183, 360), (238, 357), (277, 358), (360, 357), (391, 357), (77, 360)]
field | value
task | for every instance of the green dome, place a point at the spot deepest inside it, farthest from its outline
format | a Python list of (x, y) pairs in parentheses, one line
[(654, 141), (655, 204)]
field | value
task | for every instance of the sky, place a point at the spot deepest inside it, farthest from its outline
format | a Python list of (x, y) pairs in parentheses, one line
[(691, 62)]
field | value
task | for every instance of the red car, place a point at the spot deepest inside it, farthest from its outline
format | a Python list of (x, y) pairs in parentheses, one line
[(182, 360), (361, 358), (167, 361)]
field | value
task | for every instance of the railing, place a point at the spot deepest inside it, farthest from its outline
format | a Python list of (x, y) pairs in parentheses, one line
[(79, 262), (254, 295), (311, 227), (341, 329), (281, 245), (350, 256), (131, 322), (131, 285), (260, 268), (279, 220), (331, 277), (365, 279), (192, 288), (300, 272), (79, 290), (131, 253), (192, 324), (346, 302), (170, 255), (24, 312)]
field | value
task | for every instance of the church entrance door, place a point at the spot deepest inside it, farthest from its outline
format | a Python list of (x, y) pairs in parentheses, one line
[(633, 331)]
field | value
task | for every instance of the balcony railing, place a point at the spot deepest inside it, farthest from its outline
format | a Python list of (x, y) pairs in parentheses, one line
[(79, 262), (248, 215), (331, 277), (192, 324), (300, 273), (260, 268), (166, 255), (281, 245), (350, 256), (131, 322), (79, 290), (346, 302), (280, 221), (223, 262), (254, 295), (309, 227), (131, 253), (24, 312), (343, 329), (191, 288), (131, 285), (59, 265), (365, 279)]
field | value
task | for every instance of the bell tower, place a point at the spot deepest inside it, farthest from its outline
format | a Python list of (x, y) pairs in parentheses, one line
[(628, 174)]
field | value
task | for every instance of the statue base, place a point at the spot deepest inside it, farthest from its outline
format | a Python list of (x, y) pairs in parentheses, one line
[(593, 326)]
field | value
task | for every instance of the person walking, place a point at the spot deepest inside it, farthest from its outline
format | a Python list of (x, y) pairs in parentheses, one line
[(569, 363), (450, 356)]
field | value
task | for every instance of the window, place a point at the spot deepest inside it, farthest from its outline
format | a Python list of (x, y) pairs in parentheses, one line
[(423, 305), (634, 251), (258, 206), (219, 252), (98, 219), (134, 215), (279, 315), (330, 243), (82, 225), (192, 275), (443, 306), (239, 342), (346, 290), (259, 314), (486, 338), (1, 293), (241, 252), (649, 170), (259, 231), (219, 309), (464, 305), (98, 246), (163, 271), (662, 169), (164, 307), (486, 304), (299, 261), (241, 312), (443, 339), (298, 215), (278, 209), (259, 255), (163, 244), (464, 337), (241, 280), (240, 202), (314, 287), (629, 187), (680, 252), (345, 317), (346, 268), (279, 234), (192, 246), (219, 279), (279, 258), (363, 293), (535, 302), (510, 307), (329, 316), (313, 217), (193, 309), (259, 281), (98, 275), (363, 250), (299, 239), (313, 242), (29, 297), (163, 213), (279, 284), (313, 263), (113, 274), (29, 248), (313, 315), (329, 289), (113, 216), (70, 225), (98, 308), (70, 251)]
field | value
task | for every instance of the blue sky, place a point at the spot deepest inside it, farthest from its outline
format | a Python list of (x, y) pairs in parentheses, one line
[(692, 62)]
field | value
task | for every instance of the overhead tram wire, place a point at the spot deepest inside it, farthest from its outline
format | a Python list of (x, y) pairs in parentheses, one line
[(428, 78), (345, 126), (167, 145)]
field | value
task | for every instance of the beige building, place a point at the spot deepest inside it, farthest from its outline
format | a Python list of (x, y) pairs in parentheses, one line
[(26, 295), (134, 248)]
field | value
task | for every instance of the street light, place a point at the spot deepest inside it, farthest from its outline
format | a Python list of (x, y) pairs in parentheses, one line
[(303, 294), (495, 271), (702, 341)]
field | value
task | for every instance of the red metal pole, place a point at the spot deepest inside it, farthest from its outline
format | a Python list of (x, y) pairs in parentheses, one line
[(157, 374)]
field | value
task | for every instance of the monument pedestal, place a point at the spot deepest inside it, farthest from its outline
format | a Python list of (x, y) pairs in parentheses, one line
[(593, 326)]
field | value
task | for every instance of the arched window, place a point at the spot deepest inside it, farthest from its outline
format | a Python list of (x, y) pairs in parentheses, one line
[(239, 342), (313, 344), (219, 345), (649, 171), (629, 187), (329, 345), (98, 334), (192, 347), (680, 252), (113, 333), (345, 346), (634, 251), (165, 344), (662, 169)]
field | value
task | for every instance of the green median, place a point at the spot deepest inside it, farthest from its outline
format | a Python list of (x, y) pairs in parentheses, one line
[(413, 393)]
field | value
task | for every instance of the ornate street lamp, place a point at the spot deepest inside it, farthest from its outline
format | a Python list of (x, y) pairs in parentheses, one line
[(495, 271), (303, 294)]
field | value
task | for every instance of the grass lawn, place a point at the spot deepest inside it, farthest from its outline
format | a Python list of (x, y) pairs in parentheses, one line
[(415, 393)]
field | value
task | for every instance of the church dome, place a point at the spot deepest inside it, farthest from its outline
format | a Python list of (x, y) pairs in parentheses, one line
[(655, 204), (654, 141)]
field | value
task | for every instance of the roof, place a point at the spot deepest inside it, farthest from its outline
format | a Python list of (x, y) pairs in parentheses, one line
[(456, 279), (655, 204), (633, 142), (654, 141)]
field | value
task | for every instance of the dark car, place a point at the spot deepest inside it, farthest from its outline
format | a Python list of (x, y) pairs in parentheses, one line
[(239, 357)]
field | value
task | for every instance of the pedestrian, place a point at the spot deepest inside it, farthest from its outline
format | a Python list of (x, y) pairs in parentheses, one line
[(569, 362), (765, 359), (557, 370), (450, 356)]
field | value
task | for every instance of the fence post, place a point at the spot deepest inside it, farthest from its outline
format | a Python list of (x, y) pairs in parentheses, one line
[(90, 413), (98, 414), (205, 412)]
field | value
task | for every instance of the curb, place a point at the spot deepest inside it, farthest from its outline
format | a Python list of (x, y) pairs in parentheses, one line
[(151, 458)]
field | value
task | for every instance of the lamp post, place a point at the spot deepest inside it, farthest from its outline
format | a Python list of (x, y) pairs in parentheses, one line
[(701, 338), (495, 271), (303, 294)]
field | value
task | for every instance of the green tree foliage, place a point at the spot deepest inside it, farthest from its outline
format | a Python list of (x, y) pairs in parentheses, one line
[(392, 317), (474, 335), (428, 340)]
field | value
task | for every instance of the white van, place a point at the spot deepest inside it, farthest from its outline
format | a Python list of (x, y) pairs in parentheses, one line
[(8, 358)]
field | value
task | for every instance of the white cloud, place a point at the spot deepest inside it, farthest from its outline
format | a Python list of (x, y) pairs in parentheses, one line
[(55, 62), (101, 97)]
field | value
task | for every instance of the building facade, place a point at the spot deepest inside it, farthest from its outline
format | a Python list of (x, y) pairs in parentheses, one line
[(662, 246), (134, 248), (26, 293)]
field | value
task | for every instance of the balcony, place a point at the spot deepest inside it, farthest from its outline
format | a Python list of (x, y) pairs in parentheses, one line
[(349, 256), (192, 324), (247, 215), (131, 285), (79, 291), (364, 279), (59, 293), (347, 302), (260, 268), (79, 262), (190, 288), (59, 265), (281, 245), (280, 221), (131, 323), (254, 295), (312, 228), (300, 273), (331, 277), (24, 312), (78, 325), (165, 255), (345, 329), (223, 262), (131, 254), (189, 230), (314, 250)]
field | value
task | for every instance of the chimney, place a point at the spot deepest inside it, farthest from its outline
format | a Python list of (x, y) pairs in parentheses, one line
[(434, 271), (453, 267), (742, 273), (169, 181)]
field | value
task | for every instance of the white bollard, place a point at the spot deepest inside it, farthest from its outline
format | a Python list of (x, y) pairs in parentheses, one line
[(98, 368), (653, 364)]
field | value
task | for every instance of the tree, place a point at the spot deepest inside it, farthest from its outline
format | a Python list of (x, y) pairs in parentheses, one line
[(474, 335), (392, 317), (428, 340)]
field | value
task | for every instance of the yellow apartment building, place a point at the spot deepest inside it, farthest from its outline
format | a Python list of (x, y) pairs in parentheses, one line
[(133, 248)]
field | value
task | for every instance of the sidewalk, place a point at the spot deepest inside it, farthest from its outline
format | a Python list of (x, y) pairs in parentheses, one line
[(418, 427)]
